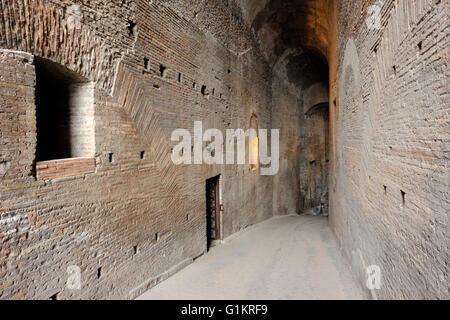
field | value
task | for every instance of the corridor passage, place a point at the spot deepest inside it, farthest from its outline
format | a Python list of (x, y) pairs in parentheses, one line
[(291, 257)]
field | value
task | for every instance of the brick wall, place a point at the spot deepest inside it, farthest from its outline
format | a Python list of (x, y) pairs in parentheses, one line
[(390, 189)]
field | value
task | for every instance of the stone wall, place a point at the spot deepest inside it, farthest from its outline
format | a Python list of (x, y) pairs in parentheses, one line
[(65, 115)]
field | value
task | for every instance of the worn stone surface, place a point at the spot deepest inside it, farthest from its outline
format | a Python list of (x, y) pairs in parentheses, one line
[(287, 257)]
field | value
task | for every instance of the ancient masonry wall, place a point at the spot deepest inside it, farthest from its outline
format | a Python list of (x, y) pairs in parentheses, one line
[(390, 188), (137, 218)]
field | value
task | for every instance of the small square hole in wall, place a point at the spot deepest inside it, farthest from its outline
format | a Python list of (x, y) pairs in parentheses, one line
[(99, 272), (162, 70), (146, 63), (403, 197), (194, 85), (385, 190), (135, 249), (157, 237), (394, 68), (111, 157), (55, 296), (419, 45), (204, 91), (142, 155), (187, 217), (180, 78), (132, 28)]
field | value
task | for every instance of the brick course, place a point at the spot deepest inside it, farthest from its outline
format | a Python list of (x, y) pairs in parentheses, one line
[(49, 170)]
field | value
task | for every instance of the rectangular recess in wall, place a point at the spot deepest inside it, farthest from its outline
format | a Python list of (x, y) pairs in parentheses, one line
[(162, 70)]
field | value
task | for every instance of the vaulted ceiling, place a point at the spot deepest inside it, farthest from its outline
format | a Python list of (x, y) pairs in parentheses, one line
[(293, 36), (288, 25)]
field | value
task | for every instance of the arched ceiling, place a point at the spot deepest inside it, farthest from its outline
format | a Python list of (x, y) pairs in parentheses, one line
[(282, 25)]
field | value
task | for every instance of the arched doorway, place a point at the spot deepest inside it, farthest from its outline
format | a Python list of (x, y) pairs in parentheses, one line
[(314, 144)]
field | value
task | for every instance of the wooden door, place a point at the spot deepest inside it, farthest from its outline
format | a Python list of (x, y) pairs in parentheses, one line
[(212, 209)]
